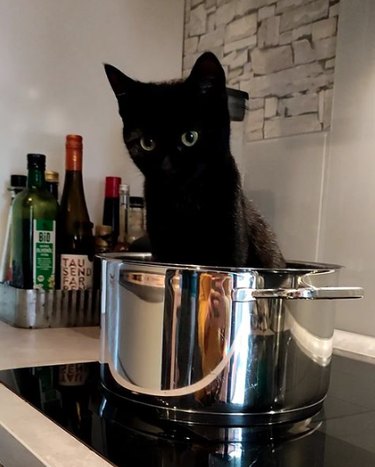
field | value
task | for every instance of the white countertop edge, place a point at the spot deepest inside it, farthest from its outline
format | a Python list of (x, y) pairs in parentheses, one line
[(352, 345), (29, 438)]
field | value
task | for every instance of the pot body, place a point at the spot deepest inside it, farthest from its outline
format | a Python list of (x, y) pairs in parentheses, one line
[(221, 346)]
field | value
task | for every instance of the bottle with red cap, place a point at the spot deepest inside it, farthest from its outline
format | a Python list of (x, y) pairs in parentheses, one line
[(112, 206), (76, 240)]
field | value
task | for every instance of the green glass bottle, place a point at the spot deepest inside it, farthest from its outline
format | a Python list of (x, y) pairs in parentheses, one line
[(34, 215)]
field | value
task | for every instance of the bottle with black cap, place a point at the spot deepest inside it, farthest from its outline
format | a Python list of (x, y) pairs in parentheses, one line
[(33, 233)]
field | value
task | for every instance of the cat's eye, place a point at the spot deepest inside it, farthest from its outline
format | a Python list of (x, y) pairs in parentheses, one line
[(147, 143), (189, 138)]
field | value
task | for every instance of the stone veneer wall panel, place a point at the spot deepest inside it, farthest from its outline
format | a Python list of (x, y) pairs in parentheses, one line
[(282, 52)]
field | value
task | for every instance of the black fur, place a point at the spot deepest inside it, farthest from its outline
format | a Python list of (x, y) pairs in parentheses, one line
[(196, 210)]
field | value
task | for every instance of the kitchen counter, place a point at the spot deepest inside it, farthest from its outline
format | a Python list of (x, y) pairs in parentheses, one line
[(36, 347), (28, 438)]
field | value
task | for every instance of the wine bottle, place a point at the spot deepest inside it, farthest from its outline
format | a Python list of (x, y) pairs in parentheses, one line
[(33, 233), (17, 184), (112, 206), (76, 240)]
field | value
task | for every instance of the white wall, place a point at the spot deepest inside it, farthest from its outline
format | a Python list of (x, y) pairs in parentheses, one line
[(52, 81), (318, 190), (348, 221), (283, 178)]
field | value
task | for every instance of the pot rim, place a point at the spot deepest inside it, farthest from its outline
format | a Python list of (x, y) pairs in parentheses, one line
[(295, 266)]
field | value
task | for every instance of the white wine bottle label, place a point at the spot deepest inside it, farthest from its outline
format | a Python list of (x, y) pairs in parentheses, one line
[(44, 254), (76, 272), (74, 374)]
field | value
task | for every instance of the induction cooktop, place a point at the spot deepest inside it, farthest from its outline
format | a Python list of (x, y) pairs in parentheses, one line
[(342, 434)]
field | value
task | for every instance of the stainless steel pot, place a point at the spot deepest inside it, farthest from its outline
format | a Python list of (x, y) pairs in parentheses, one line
[(230, 347)]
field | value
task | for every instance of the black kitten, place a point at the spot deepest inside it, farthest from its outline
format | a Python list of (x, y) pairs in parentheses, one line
[(178, 136)]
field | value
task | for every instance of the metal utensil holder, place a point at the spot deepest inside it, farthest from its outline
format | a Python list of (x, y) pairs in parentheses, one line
[(49, 308)]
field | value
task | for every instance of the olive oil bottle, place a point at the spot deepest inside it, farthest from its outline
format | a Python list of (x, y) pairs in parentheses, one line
[(33, 233)]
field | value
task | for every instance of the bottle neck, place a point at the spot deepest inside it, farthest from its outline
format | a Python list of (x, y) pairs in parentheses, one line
[(73, 160), (73, 188), (73, 202), (35, 178)]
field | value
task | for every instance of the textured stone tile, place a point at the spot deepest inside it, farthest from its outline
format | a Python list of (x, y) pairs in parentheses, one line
[(285, 82), (304, 14), (244, 80), (254, 120), (211, 40), (190, 45), (283, 5), (254, 135), (245, 6), (248, 67), (234, 74), (241, 28), (266, 12), (325, 107), (211, 22), (279, 51), (324, 28), (187, 11), (248, 43), (325, 48), (302, 31), (286, 38), (303, 52), (270, 107), (334, 10), (330, 63), (280, 126), (197, 24), (269, 32), (303, 103), (270, 60), (224, 14), (255, 104), (236, 59)]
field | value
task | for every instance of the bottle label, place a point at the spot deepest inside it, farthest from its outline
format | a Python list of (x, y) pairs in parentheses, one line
[(44, 253), (74, 374), (76, 272)]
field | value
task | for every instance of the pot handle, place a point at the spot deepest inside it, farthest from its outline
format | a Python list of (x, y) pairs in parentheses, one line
[(302, 293)]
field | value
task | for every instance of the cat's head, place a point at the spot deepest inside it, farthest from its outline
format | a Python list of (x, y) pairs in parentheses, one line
[(175, 128)]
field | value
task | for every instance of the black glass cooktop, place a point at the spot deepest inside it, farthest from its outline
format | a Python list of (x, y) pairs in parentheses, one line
[(341, 435)]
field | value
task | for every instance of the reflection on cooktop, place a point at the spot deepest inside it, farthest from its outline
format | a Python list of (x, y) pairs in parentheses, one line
[(341, 435)]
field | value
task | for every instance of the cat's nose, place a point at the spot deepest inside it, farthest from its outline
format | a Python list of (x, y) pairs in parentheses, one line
[(166, 165)]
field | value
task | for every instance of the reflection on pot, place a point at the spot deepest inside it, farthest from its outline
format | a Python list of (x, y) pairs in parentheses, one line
[(216, 345)]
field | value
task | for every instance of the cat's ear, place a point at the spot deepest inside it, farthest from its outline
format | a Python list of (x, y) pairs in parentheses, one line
[(207, 73), (120, 83)]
